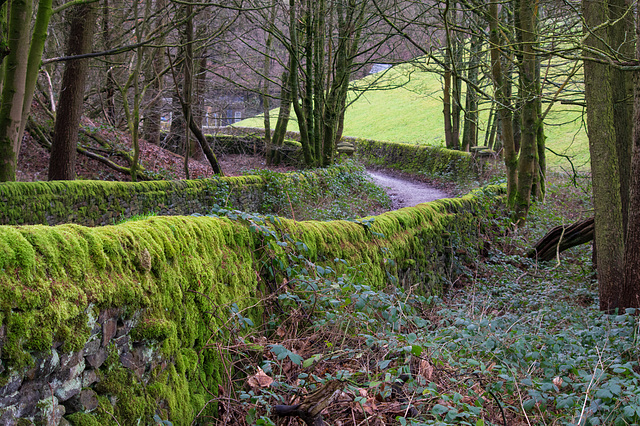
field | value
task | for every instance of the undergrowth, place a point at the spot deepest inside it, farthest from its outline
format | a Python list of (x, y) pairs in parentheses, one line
[(340, 191), (512, 343)]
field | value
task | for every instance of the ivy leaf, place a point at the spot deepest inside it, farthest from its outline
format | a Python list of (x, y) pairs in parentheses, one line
[(439, 409)]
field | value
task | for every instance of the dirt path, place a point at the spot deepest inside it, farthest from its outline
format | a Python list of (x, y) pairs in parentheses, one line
[(406, 193)]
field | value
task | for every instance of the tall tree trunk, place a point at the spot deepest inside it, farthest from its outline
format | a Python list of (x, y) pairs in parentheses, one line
[(319, 57), (152, 124), (456, 86), (266, 77), (503, 108), (621, 39), (604, 159), (62, 163), (541, 138), (33, 64), (295, 84), (273, 155), (13, 90), (470, 130), (528, 149), (446, 103), (630, 294)]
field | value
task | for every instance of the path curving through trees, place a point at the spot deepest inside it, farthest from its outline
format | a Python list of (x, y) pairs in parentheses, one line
[(406, 193)]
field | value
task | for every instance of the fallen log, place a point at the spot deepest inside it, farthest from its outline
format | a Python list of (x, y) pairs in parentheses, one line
[(561, 238), (310, 410)]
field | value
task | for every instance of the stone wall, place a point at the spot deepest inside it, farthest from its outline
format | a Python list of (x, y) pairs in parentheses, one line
[(114, 322), (94, 203), (97, 203)]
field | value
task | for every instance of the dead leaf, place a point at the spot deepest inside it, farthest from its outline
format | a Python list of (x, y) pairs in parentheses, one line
[(426, 369), (259, 380)]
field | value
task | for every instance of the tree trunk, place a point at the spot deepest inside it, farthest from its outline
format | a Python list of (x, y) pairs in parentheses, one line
[(295, 81), (152, 124), (630, 294), (35, 56), (446, 110), (503, 108), (621, 39), (62, 163), (266, 75), (273, 155), (528, 149), (13, 90), (604, 159), (470, 131), (541, 138)]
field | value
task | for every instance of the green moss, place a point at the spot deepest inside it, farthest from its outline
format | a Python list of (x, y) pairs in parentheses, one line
[(83, 419)]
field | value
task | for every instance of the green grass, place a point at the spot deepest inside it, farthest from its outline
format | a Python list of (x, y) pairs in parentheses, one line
[(412, 112)]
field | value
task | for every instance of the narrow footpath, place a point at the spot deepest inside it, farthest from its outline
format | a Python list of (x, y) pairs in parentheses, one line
[(406, 193)]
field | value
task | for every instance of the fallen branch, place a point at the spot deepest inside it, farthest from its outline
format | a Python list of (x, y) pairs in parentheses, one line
[(562, 238)]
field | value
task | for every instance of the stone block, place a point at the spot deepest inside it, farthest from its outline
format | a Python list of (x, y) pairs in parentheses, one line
[(97, 359), (12, 386), (89, 377), (86, 401), (92, 347), (109, 328), (68, 389)]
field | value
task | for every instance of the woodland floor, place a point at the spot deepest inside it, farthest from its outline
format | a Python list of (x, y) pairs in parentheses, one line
[(512, 342)]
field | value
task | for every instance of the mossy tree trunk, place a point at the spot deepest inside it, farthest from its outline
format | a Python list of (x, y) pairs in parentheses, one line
[(62, 163), (470, 129), (322, 60), (621, 39), (529, 115), (13, 89), (630, 294), (540, 186), (504, 105), (22, 52)]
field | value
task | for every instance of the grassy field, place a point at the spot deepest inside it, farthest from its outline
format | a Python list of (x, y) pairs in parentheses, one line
[(411, 111)]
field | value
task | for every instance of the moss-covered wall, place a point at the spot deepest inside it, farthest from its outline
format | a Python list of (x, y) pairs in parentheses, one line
[(122, 320), (420, 159), (94, 203)]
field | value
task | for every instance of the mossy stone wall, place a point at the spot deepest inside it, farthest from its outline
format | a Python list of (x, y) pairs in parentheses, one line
[(117, 321), (95, 203), (120, 320), (419, 159)]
